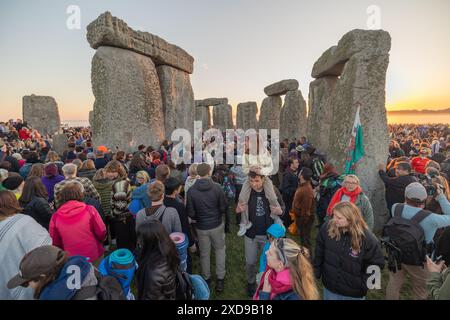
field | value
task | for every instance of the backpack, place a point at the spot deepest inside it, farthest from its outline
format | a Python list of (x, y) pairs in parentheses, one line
[(317, 168), (184, 288), (407, 235), (147, 213), (107, 288), (228, 188)]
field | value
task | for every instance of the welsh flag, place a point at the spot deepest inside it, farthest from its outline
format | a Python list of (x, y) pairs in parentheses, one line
[(356, 147)]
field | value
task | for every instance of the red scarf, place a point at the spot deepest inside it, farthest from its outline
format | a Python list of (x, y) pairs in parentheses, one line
[(338, 195), (280, 283)]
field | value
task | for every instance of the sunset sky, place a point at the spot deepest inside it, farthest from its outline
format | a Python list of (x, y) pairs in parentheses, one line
[(239, 46)]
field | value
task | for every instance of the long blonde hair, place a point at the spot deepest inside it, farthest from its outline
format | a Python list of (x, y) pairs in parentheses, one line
[(300, 269), (356, 227)]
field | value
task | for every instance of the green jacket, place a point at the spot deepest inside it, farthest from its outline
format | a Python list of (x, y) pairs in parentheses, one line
[(104, 188), (363, 203), (439, 285)]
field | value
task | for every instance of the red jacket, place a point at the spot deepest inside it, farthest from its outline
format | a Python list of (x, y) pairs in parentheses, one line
[(418, 164), (23, 134), (78, 229)]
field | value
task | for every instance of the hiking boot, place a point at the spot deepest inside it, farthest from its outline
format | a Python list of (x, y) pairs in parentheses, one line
[(251, 288), (220, 285)]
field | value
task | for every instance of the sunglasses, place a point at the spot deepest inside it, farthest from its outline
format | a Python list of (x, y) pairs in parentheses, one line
[(280, 248)]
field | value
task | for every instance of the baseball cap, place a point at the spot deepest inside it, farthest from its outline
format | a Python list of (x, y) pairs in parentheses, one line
[(416, 191), (38, 262)]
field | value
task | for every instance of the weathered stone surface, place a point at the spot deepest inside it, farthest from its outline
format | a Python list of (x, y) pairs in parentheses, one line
[(59, 143), (178, 99), (293, 116), (363, 81), (41, 112), (212, 102), (107, 30), (223, 117), (269, 115), (368, 43), (203, 114), (281, 87), (246, 116), (91, 118), (320, 113), (128, 106)]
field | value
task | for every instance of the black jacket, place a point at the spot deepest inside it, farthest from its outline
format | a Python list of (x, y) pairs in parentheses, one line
[(206, 203), (156, 281), (395, 187), (251, 232), (343, 271), (288, 188), (39, 210), (179, 206)]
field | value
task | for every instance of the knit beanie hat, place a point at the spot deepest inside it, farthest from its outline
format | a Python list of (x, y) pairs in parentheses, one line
[(13, 181), (51, 169), (276, 231)]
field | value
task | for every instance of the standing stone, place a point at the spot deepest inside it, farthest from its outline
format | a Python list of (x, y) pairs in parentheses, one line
[(320, 113), (107, 30), (293, 116), (91, 118), (246, 116), (282, 87), (363, 81), (59, 143), (223, 117), (269, 115), (178, 99), (203, 114), (41, 112), (128, 106), (212, 102)]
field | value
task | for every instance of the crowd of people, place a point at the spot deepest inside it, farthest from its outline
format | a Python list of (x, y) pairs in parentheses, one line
[(112, 215)]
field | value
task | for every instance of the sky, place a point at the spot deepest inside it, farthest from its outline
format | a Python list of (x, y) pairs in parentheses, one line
[(239, 46)]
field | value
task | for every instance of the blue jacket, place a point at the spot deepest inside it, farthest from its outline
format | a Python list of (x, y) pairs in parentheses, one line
[(140, 199), (433, 221)]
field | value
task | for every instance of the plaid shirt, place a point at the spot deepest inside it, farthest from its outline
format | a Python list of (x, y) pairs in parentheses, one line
[(89, 189)]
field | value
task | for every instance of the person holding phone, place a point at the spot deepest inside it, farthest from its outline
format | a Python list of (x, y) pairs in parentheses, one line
[(439, 281)]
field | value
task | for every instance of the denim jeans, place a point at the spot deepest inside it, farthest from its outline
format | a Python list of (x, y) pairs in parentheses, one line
[(328, 295)]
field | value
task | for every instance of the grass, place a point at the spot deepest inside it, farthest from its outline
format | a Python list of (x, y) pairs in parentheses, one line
[(236, 280)]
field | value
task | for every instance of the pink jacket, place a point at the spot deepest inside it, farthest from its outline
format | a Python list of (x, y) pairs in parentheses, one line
[(78, 229)]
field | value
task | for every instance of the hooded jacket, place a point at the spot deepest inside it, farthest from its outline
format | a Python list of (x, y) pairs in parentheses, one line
[(206, 204), (39, 209), (78, 229)]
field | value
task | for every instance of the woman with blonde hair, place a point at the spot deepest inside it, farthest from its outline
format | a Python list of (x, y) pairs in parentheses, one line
[(289, 275), (142, 178), (351, 191), (87, 169), (191, 178), (345, 249)]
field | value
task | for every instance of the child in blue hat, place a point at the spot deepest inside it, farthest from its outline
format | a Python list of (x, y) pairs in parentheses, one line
[(275, 231)]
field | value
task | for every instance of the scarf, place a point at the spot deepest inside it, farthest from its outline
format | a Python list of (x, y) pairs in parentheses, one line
[(338, 195), (280, 283)]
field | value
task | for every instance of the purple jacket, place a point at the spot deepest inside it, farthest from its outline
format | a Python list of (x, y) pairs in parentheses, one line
[(49, 183)]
